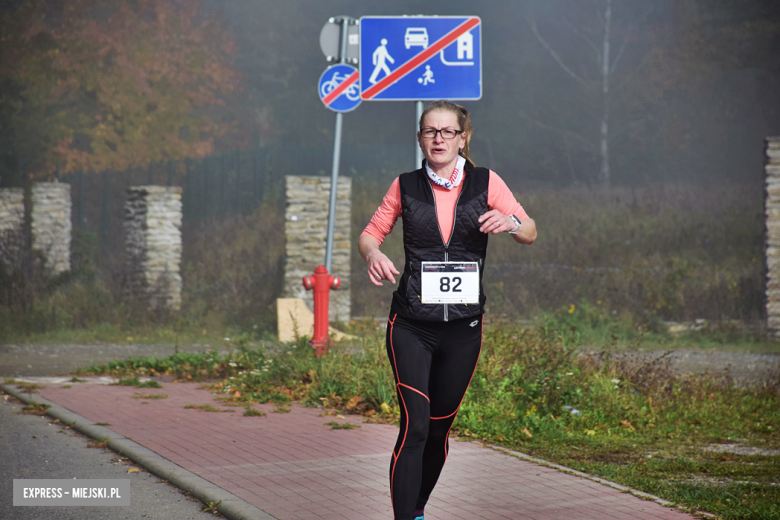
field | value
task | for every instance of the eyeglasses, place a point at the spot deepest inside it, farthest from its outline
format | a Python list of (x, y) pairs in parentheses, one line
[(446, 133)]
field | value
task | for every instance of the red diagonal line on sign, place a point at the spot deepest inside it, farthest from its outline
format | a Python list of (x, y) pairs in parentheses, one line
[(336, 92), (415, 62)]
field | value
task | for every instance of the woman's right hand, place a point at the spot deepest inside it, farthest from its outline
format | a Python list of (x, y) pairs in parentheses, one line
[(380, 268)]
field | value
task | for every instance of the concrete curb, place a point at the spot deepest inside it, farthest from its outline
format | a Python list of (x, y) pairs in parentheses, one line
[(231, 506), (614, 485)]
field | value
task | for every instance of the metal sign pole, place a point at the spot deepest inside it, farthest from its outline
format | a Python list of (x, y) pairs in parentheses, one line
[(418, 155), (336, 158)]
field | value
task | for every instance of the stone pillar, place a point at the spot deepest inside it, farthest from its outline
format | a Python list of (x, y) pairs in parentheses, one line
[(11, 209), (11, 226), (153, 244), (306, 235), (51, 224), (772, 211)]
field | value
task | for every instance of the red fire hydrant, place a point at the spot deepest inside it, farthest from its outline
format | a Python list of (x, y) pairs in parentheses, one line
[(322, 283)]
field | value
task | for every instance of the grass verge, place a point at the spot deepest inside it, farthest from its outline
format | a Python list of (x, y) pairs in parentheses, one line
[(701, 441)]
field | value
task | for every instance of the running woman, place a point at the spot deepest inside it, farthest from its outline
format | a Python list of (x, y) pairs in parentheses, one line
[(449, 208)]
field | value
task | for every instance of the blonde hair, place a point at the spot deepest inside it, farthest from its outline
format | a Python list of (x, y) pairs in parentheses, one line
[(464, 121)]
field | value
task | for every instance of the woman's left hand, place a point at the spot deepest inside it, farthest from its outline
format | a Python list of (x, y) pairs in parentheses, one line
[(495, 222)]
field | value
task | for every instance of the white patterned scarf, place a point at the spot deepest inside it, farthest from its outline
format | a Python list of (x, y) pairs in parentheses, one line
[(455, 178)]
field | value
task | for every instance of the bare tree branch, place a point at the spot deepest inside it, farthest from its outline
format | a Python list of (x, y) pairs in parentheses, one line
[(554, 55), (588, 144), (620, 52), (597, 8), (587, 39)]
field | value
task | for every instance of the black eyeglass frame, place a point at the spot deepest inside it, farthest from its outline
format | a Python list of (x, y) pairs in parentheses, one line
[(440, 131)]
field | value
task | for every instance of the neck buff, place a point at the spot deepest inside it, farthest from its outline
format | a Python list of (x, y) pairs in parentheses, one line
[(454, 180)]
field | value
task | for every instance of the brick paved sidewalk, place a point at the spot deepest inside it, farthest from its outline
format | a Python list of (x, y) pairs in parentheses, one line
[(294, 467)]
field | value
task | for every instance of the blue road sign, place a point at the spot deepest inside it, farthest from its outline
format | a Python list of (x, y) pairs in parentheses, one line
[(339, 88), (417, 58)]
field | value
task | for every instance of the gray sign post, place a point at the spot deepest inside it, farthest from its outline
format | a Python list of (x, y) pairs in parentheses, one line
[(346, 52)]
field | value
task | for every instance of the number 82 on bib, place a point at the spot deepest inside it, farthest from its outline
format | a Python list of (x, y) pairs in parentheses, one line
[(450, 282)]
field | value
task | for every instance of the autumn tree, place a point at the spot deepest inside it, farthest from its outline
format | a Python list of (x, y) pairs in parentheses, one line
[(98, 84)]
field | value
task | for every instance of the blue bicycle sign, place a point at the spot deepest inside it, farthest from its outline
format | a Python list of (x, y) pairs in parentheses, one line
[(339, 88)]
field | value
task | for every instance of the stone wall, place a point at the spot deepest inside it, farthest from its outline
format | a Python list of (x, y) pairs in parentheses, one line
[(772, 211), (51, 224), (306, 234), (11, 209), (153, 245)]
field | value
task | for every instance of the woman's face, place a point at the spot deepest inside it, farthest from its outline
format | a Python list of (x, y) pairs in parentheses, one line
[(438, 151)]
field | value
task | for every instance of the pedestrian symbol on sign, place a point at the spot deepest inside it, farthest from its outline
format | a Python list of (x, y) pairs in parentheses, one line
[(378, 59)]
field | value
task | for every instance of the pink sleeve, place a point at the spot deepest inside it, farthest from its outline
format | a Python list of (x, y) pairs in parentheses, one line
[(500, 198), (384, 218)]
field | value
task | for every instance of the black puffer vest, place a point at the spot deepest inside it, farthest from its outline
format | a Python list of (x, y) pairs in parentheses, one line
[(423, 242)]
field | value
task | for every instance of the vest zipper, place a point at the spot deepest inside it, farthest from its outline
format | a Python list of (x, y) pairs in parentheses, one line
[(447, 243)]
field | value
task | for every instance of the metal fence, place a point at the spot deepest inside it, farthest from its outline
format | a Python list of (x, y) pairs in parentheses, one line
[(216, 187)]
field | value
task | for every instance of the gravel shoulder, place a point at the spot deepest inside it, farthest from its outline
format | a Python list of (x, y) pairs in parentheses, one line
[(49, 360)]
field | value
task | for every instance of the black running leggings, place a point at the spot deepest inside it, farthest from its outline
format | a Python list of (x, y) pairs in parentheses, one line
[(433, 363)]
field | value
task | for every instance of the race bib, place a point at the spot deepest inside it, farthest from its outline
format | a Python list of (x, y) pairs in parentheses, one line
[(450, 282)]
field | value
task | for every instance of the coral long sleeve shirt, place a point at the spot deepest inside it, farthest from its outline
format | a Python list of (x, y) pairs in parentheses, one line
[(499, 197)]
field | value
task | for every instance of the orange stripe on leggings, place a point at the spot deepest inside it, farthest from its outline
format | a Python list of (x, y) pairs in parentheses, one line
[(414, 389), (395, 460)]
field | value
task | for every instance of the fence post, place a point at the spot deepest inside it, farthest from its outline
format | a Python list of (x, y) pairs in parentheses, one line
[(186, 204), (81, 200), (205, 211), (104, 222), (222, 186), (237, 162)]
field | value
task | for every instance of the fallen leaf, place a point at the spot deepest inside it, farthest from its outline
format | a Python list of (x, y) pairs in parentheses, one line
[(237, 394), (353, 402), (133, 470), (527, 432)]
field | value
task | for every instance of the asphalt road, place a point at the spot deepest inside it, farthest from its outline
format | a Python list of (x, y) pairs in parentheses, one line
[(33, 447), (47, 360)]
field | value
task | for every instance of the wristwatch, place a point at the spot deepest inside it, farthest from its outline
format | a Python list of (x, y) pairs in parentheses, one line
[(517, 225)]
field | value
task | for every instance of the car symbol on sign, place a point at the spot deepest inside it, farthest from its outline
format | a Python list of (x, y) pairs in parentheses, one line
[(416, 36)]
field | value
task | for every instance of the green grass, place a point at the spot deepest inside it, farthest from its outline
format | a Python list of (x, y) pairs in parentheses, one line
[(121, 334), (336, 426), (595, 327), (631, 421), (205, 408), (667, 252), (134, 381)]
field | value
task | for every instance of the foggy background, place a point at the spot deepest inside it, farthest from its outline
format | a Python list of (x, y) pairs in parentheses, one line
[(221, 98), (694, 90)]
